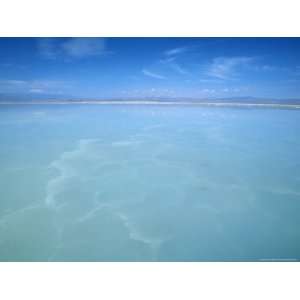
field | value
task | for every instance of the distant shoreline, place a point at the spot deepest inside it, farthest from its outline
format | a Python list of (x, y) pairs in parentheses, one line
[(218, 104)]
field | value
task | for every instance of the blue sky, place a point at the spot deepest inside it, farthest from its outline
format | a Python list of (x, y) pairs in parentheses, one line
[(150, 67)]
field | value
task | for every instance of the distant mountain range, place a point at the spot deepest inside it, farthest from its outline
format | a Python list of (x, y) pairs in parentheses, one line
[(16, 98)]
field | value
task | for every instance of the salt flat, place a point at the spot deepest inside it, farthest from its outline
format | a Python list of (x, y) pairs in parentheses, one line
[(149, 183)]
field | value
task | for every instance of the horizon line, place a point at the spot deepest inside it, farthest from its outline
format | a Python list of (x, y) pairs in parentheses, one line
[(153, 102)]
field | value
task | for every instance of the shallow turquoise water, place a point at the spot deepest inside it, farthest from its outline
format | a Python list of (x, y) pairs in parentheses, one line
[(149, 183)]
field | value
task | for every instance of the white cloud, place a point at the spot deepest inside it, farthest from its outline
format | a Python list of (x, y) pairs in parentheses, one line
[(152, 74), (175, 66), (32, 86), (226, 67), (36, 91), (13, 82), (175, 51), (231, 90), (265, 68), (11, 85), (179, 69), (150, 92), (167, 60), (210, 80), (53, 48), (268, 68), (208, 91)]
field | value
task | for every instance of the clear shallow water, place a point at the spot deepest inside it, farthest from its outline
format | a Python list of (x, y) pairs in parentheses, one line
[(148, 183)]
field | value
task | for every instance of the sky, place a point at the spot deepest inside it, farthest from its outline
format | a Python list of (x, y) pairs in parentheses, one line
[(124, 68)]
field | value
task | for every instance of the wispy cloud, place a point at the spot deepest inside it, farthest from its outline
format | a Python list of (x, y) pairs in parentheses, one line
[(234, 90), (171, 63), (210, 80), (167, 60), (32, 86), (175, 51), (266, 68), (150, 92), (179, 69), (226, 67), (36, 91), (222, 91), (207, 91), (12, 82), (171, 60), (152, 74), (53, 48)]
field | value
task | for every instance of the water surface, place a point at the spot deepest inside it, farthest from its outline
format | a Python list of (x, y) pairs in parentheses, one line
[(149, 183)]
